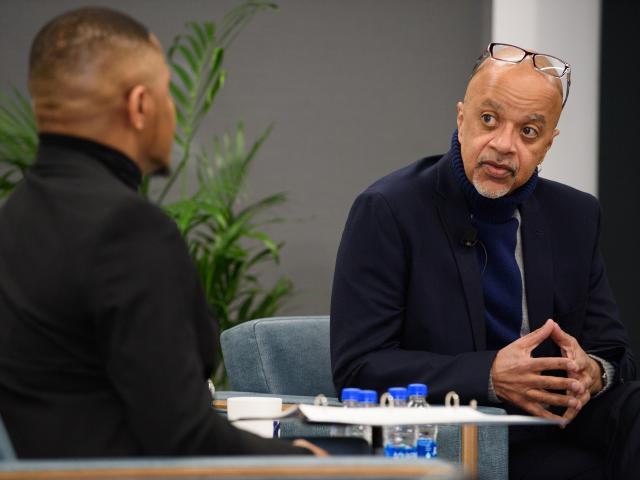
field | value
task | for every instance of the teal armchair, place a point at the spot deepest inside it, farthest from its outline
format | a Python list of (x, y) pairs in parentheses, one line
[(6, 448), (289, 357)]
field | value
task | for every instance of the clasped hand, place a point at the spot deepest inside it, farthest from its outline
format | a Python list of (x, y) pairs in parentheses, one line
[(517, 376)]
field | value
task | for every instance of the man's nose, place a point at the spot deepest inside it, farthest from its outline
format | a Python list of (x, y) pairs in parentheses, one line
[(503, 141)]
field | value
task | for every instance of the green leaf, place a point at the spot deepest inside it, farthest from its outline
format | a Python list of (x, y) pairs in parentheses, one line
[(261, 256), (18, 139), (189, 57), (202, 36), (210, 29), (263, 204), (217, 57), (195, 46), (245, 308), (178, 95), (273, 299), (187, 81), (267, 242), (181, 119), (211, 94)]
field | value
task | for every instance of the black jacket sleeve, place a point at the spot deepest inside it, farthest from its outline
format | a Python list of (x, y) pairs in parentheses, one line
[(603, 334)]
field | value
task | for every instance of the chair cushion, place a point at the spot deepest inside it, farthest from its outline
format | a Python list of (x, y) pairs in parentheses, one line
[(6, 448), (280, 355)]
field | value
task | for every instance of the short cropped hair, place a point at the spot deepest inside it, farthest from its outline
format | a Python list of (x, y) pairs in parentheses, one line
[(75, 39)]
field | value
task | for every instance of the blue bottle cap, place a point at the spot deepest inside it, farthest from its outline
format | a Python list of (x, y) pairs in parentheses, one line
[(350, 394), (418, 389), (398, 393), (368, 396)]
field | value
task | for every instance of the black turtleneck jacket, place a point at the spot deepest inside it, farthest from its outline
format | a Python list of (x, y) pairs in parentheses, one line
[(105, 338)]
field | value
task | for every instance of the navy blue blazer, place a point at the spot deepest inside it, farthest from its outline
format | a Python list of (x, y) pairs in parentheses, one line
[(407, 301)]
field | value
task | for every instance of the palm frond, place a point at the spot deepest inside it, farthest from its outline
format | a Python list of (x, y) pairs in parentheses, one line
[(18, 139)]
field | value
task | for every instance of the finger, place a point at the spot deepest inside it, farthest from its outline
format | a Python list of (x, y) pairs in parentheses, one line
[(547, 382), (568, 416), (563, 339), (317, 451), (582, 359), (572, 412), (584, 368), (539, 411), (557, 399), (536, 337), (583, 400), (542, 364)]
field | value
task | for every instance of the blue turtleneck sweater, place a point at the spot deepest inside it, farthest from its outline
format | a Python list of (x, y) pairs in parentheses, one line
[(497, 232)]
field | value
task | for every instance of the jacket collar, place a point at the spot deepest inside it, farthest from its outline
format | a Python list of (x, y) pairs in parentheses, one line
[(456, 219), (538, 267), (121, 166)]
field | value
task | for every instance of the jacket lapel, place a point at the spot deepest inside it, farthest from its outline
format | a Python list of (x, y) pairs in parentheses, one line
[(538, 263), (456, 220)]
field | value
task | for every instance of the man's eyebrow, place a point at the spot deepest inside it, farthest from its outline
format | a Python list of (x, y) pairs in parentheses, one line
[(536, 117), (491, 104)]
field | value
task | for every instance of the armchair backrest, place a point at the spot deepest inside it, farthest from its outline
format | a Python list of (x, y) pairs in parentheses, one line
[(279, 355), (6, 448)]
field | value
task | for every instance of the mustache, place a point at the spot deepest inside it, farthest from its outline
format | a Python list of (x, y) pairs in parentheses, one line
[(498, 163)]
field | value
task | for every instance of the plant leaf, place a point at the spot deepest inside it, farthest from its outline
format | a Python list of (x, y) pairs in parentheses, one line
[(187, 81)]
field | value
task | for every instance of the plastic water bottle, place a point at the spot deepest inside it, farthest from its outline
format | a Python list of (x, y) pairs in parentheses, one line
[(399, 440), (350, 399), (367, 399), (426, 435)]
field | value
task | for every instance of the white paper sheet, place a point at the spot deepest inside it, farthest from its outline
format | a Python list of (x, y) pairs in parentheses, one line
[(410, 416)]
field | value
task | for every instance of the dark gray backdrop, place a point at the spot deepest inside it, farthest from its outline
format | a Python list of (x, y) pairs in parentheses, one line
[(619, 178), (355, 89)]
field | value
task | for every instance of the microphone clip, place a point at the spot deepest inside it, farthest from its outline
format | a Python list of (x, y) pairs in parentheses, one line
[(469, 237)]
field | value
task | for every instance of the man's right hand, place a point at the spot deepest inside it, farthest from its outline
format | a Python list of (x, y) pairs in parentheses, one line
[(517, 376), (317, 451)]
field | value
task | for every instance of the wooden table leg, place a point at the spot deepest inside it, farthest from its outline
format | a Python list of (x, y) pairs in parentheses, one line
[(469, 447)]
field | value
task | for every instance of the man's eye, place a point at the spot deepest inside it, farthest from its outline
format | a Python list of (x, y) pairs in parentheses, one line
[(488, 119), (529, 132)]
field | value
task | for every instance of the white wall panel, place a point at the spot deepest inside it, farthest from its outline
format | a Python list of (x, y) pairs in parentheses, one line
[(569, 29)]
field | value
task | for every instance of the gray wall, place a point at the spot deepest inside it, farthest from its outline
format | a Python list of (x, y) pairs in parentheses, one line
[(355, 89)]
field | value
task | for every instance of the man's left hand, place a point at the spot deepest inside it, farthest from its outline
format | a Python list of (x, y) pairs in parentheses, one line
[(588, 371)]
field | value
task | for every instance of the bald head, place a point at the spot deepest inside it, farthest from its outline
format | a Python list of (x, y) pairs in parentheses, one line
[(506, 124), (542, 63), (98, 74), (75, 39), (86, 56)]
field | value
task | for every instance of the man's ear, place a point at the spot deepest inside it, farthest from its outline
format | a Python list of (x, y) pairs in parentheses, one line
[(556, 132), (459, 117), (138, 106)]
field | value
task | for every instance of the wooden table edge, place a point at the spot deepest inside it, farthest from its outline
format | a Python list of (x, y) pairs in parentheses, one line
[(283, 471)]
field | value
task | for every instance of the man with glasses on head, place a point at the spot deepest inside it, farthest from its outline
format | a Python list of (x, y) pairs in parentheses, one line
[(468, 272)]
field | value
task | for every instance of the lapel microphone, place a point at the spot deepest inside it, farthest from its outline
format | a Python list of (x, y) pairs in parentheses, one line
[(469, 237)]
